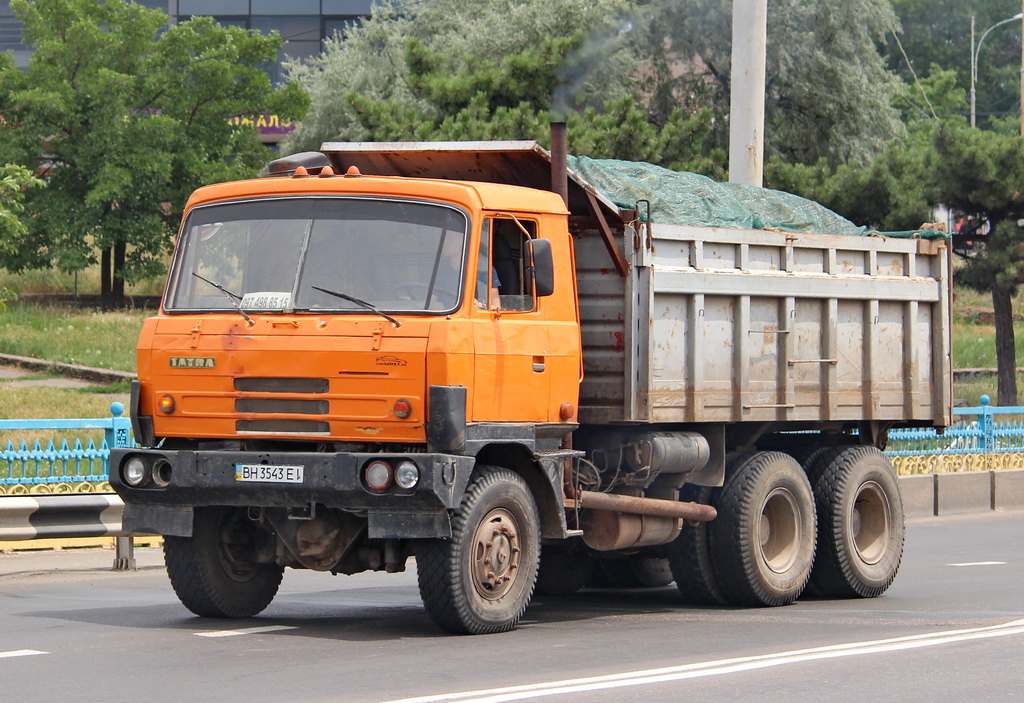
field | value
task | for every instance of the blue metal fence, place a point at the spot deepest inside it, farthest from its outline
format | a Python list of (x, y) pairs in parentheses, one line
[(978, 431), (967, 445), (74, 467)]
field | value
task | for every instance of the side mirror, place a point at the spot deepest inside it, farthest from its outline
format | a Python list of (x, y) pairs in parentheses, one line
[(543, 267)]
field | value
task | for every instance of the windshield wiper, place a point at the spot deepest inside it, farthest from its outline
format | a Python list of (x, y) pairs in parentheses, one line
[(369, 306), (235, 299)]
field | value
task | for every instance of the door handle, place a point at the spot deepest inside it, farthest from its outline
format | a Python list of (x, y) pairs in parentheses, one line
[(538, 364)]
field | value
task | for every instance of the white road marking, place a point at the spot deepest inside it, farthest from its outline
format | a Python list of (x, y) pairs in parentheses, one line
[(720, 667), (20, 653), (244, 631), (979, 563)]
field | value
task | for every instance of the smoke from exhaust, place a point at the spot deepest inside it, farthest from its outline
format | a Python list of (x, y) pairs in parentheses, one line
[(580, 66)]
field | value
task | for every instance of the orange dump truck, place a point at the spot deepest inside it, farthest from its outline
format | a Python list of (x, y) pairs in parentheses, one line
[(385, 351)]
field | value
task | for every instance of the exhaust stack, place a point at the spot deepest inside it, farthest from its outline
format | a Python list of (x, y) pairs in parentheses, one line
[(559, 161)]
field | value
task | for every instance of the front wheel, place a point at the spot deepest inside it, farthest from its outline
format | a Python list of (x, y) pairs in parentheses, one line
[(860, 523), (481, 580), (214, 572)]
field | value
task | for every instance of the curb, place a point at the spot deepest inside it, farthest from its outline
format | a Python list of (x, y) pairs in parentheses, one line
[(926, 495), (101, 376)]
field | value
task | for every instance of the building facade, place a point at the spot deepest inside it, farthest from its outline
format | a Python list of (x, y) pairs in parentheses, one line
[(304, 24)]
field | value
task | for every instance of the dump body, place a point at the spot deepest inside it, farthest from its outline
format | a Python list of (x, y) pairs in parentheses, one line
[(719, 325)]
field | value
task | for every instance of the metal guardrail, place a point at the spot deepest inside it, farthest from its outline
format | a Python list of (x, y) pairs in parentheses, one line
[(25, 517), (69, 515)]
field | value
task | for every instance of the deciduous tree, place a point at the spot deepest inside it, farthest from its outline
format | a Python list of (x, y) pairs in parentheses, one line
[(938, 33), (828, 94), (124, 116)]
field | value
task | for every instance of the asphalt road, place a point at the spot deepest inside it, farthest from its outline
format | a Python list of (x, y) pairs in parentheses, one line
[(950, 629)]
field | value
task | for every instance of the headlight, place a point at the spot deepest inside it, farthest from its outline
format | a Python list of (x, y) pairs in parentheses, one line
[(135, 472), (407, 474)]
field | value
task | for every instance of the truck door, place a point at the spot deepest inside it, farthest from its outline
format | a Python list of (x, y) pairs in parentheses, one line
[(511, 375)]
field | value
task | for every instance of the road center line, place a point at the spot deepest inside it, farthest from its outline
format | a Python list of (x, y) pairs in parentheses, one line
[(980, 563), (244, 631), (719, 667), (20, 653)]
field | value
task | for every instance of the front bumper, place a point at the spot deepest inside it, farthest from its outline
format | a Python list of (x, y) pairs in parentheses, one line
[(187, 479)]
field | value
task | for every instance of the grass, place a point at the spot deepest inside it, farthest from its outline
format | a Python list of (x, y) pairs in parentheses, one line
[(70, 335), (50, 282), (44, 402), (974, 344)]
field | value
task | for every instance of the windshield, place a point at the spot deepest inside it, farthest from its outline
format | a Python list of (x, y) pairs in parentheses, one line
[(320, 253)]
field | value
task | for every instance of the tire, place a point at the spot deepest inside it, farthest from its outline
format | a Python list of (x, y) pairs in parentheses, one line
[(563, 570), (762, 542), (861, 527), (461, 589), (211, 571), (689, 555), (808, 457), (637, 572)]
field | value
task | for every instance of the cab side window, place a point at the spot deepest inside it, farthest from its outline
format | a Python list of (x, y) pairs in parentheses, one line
[(509, 261)]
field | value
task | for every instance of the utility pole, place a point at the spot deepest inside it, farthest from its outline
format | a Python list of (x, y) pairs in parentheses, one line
[(746, 113), (1022, 71)]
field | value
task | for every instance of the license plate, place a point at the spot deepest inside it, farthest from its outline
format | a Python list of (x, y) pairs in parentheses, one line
[(265, 473)]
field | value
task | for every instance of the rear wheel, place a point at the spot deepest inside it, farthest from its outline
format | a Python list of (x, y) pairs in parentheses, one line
[(762, 542), (860, 523), (214, 572), (481, 580), (689, 556)]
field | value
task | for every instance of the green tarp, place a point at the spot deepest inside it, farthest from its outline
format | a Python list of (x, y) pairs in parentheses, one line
[(681, 198)]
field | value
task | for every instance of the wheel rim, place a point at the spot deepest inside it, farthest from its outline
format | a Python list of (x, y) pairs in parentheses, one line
[(870, 522), (496, 552), (779, 531)]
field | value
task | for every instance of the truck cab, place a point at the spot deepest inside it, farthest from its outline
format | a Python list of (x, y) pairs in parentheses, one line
[(334, 356)]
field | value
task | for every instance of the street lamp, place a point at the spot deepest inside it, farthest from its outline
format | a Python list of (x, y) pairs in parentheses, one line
[(976, 51)]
